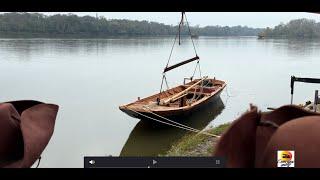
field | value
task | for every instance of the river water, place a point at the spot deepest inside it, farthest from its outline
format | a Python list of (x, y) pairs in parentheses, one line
[(90, 78)]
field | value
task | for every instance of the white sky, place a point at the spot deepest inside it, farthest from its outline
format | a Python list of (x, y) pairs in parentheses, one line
[(251, 19)]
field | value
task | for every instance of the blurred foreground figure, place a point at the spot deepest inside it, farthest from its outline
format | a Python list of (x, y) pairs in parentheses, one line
[(25, 130), (254, 139)]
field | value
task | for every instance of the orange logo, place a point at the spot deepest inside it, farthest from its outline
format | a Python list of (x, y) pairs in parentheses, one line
[(286, 156)]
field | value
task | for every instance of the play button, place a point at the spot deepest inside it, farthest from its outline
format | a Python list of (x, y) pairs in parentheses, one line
[(154, 162)]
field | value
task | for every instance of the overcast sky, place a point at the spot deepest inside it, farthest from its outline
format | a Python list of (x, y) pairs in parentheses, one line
[(251, 19)]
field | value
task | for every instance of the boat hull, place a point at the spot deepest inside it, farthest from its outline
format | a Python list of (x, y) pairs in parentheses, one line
[(175, 115)]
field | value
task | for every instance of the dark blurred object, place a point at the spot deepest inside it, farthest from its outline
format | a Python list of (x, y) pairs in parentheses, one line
[(25, 130), (299, 79), (254, 139)]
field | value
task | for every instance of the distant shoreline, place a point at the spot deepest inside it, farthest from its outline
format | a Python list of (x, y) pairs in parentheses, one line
[(91, 36), (64, 35), (24, 35), (40, 25), (297, 29), (288, 37)]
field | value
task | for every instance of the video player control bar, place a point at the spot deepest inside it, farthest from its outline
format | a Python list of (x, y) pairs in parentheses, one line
[(153, 162)]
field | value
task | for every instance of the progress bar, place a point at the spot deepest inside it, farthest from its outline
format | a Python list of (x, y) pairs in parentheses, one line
[(153, 162)]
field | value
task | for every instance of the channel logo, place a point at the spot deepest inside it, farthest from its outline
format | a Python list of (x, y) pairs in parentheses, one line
[(285, 158)]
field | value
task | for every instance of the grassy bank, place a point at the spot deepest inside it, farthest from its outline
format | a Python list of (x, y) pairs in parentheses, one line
[(197, 144)]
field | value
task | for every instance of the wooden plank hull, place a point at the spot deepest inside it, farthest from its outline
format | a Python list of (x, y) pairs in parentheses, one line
[(174, 113)]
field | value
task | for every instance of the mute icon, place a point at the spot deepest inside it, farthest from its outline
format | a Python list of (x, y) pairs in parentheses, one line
[(92, 162)]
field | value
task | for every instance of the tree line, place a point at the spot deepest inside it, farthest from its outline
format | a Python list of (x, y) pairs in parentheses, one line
[(298, 28), (37, 23)]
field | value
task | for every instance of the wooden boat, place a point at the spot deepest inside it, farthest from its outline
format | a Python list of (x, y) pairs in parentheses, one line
[(180, 100), (177, 101)]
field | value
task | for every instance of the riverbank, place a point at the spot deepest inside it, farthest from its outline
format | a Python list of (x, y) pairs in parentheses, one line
[(24, 35), (197, 144), (14, 35)]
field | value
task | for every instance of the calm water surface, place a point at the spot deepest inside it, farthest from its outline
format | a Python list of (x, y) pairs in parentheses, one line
[(90, 78)]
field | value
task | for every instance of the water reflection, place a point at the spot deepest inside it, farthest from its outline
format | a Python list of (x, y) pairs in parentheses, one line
[(150, 140), (303, 47), (99, 72), (294, 47), (27, 48)]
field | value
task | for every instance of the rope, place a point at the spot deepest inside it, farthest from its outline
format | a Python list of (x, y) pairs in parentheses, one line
[(178, 34), (195, 69), (161, 83), (180, 24), (38, 162), (194, 47), (174, 42), (164, 75), (228, 92), (165, 78), (202, 86), (175, 124), (199, 68), (194, 94)]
